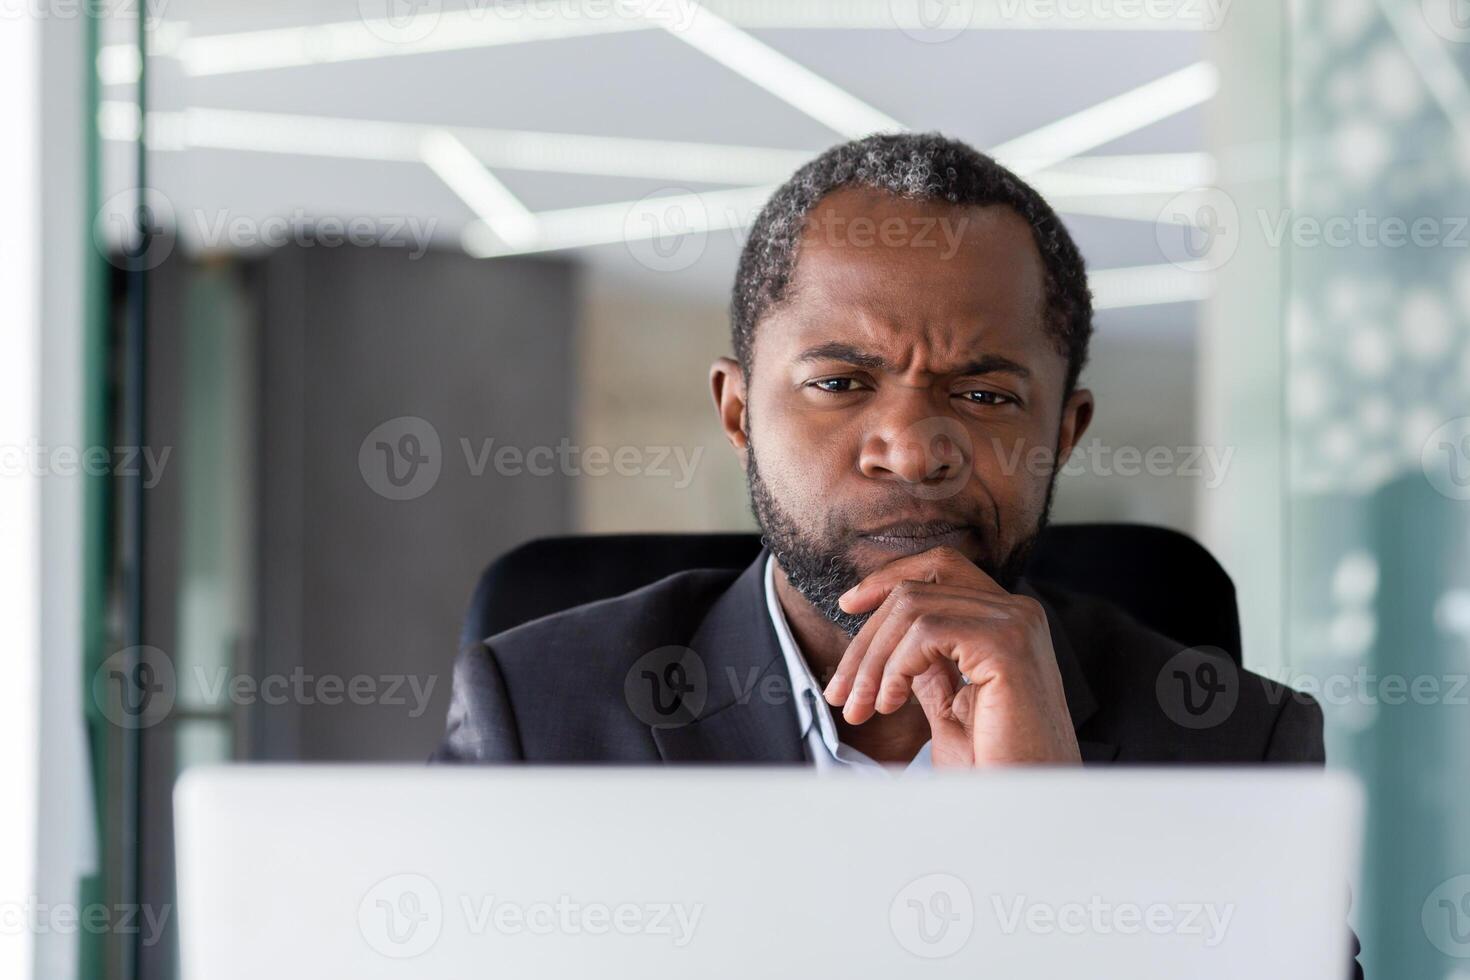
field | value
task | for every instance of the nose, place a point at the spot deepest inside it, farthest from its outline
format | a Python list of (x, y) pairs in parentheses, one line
[(911, 442)]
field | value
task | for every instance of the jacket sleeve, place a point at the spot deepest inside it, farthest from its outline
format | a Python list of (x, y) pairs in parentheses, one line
[(1297, 734), (1297, 737), (481, 725)]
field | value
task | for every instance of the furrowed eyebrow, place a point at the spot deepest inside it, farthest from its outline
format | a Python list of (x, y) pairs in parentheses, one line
[(838, 351), (995, 364)]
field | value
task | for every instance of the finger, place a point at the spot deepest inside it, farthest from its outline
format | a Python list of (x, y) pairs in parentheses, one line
[(943, 565), (933, 638), (935, 690), (839, 687), (860, 680), (929, 640), (939, 691), (949, 615)]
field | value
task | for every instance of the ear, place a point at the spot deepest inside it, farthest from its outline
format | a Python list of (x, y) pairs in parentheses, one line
[(1076, 416), (727, 385)]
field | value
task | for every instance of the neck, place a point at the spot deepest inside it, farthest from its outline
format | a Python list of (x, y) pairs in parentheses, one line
[(821, 643)]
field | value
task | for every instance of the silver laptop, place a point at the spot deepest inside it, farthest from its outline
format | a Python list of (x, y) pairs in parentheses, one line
[(367, 872)]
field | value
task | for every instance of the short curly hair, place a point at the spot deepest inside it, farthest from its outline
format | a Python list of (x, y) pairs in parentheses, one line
[(919, 166)]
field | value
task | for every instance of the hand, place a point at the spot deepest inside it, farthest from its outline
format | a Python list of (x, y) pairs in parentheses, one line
[(939, 616)]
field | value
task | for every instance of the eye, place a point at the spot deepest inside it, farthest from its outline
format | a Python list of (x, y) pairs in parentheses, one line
[(835, 386), (989, 398)]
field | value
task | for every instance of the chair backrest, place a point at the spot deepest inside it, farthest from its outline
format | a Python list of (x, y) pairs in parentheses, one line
[(1163, 578)]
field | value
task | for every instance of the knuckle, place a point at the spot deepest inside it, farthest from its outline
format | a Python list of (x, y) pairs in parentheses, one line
[(903, 594), (932, 625), (926, 624), (1030, 610)]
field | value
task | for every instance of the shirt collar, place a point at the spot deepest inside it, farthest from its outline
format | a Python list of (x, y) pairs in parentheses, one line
[(812, 710), (811, 707)]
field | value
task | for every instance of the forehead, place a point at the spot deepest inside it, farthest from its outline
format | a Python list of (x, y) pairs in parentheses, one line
[(894, 273)]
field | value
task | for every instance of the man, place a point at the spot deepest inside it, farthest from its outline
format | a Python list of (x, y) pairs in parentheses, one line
[(910, 321)]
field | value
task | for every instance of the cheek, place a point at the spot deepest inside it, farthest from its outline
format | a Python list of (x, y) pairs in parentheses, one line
[(1015, 470), (802, 464), (812, 449)]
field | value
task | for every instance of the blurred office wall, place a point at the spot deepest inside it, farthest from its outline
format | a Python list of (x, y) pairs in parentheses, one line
[(1377, 427)]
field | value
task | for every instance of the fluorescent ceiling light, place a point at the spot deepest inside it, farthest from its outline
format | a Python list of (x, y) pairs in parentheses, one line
[(918, 16), (1123, 207), (786, 79), (498, 149), (1058, 183), (357, 40), (501, 210), (1172, 169), (1149, 285), (1110, 119), (627, 221), (488, 25)]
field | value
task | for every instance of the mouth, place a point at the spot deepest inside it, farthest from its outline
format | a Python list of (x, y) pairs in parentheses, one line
[(913, 538)]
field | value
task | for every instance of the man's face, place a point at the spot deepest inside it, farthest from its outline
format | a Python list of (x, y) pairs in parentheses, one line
[(905, 395)]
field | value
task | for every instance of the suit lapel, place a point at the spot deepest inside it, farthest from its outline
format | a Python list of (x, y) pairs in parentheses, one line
[(748, 715)]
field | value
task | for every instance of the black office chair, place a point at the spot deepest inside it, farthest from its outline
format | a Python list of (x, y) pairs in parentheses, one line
[(1163, 578)]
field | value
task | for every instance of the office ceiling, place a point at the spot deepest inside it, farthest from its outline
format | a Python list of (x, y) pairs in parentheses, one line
[(490, 125)]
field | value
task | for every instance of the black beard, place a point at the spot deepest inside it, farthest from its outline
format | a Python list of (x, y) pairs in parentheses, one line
[(822, 575)]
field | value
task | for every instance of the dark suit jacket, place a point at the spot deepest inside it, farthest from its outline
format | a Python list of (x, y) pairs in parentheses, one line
[(553, 689), (566, 687)]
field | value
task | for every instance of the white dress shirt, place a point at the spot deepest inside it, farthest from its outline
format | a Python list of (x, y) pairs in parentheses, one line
[(814, 716)]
